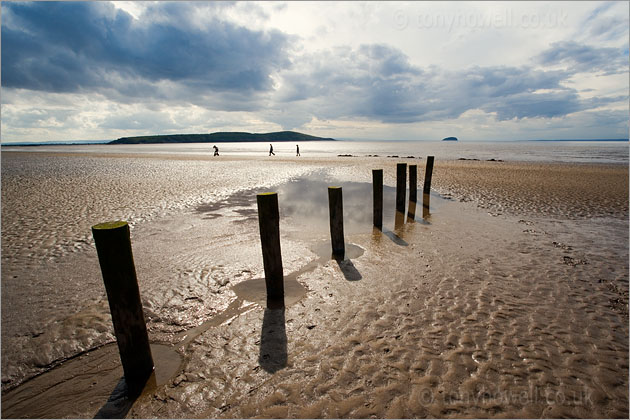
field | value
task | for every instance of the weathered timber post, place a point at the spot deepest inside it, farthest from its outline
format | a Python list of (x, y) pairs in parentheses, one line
[(426, 199), (377, 197), (401, 186), (413, 183), (399, 221), (411, 211), (269, 223), (335, 207), (113, 246), (428, 174)]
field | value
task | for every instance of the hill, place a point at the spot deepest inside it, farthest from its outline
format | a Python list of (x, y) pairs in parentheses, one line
[(220, 137)]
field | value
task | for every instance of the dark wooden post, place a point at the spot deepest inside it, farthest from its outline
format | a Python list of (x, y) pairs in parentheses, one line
[(427, 175), (377, 197), (401, 186), (413, 183), (113, 246), (411, 211), (426, 200), (269, 223), (399, 222), (335, 207)]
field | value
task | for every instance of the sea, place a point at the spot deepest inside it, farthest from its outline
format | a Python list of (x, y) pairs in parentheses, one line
[(567, 151)]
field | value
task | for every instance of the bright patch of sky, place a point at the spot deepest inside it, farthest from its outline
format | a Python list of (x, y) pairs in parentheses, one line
[(373, 70)]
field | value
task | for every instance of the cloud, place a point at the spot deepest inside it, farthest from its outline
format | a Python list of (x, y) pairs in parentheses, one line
[(200, 65), (78, 46), (607, 22), (377, 82), (579, 58)]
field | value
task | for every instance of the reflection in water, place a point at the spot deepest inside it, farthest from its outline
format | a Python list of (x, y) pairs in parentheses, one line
[(273, 341), (304, 200)]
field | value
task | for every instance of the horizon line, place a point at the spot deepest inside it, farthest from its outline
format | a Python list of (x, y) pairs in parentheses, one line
[(94, 142)]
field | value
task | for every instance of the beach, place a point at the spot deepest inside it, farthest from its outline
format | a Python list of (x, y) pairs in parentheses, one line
[(510, 299)]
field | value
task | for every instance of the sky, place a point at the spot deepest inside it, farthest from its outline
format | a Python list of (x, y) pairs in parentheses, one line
[(347, 70)]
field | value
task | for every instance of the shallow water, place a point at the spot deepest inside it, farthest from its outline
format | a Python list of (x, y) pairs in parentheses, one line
[(528, 151), (304, 201)]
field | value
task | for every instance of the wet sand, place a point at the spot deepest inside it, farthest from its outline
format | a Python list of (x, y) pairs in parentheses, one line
[(509, 300)]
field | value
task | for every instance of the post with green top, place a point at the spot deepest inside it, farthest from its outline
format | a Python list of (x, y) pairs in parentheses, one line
[(335, 207), (113, 246), (428, 174), (401, 187), (413, 183), (377, 197), (269, 223)]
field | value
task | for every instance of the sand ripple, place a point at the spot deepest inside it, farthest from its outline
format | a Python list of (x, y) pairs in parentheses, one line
[(519, 313), (497, 327)]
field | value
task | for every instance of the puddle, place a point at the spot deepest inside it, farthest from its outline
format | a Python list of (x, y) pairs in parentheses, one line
[(255, 290), (305, 201), (324, 250)]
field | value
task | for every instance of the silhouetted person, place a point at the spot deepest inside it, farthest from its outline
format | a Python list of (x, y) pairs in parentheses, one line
[(271, 150), (298, 150), (216, 150)]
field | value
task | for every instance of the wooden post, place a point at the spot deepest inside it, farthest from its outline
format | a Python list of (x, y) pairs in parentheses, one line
[(269, 223), (426, 199), (427, 175), (411, 212), (113, 246), (399, 222), (413, 183), (401, 186), (335, 207), (377, 197)]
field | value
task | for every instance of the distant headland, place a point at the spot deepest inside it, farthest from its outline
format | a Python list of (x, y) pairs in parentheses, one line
[(449, 139), (221, 137)]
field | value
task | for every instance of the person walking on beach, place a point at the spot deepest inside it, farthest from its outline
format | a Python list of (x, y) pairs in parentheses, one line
[(271, 150), (298, 150), (216, 150)]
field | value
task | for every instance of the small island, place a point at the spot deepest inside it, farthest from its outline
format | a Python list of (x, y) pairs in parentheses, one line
[(221, 137), (449, 139)]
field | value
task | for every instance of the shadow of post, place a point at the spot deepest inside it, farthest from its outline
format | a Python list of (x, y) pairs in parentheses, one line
[(122, 399), (395, 238), (273, 341), (348, 269)]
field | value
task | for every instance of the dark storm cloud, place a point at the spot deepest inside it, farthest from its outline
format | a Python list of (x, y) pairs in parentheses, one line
[(72, 46)]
